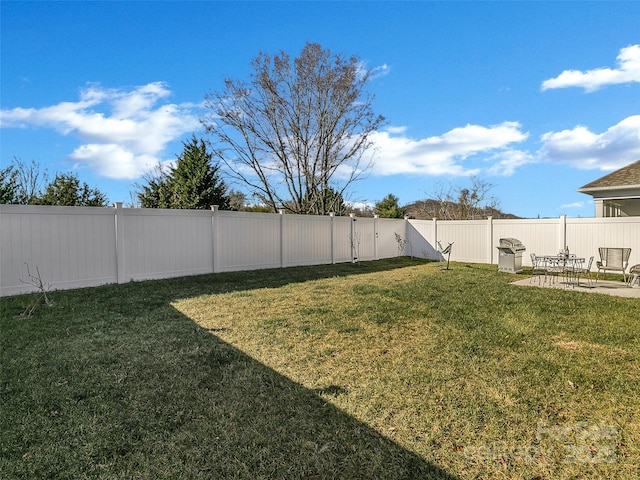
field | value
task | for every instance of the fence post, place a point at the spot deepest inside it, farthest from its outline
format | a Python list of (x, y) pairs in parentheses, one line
[(435, 237), (406, 236), (214, 239), (563, 231), (120, 260), (375, 237), (352, 238), (490, 238), (331, 237), (281, 212)]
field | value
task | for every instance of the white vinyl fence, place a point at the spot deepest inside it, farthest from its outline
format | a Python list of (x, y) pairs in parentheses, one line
[(75, 247)]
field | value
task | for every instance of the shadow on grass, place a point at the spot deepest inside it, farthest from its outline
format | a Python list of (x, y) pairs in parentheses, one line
[(273, 278), (267, 426), (108, 386)]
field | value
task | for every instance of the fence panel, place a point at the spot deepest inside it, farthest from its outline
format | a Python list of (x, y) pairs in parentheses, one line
[(470, 238), (162, 243), (585, 235), (365, 238), (539, 236), (247, 241), (306, 240), (70, 246), (421, 238), (387, 243), (342, 239)]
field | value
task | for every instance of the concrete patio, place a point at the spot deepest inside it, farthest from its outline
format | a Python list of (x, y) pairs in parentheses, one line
[(618, 289)]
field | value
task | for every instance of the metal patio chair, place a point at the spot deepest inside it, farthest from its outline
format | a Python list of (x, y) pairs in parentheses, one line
[(613, 260), (634, 275), (553, 269), (585, 271), (538, 268)]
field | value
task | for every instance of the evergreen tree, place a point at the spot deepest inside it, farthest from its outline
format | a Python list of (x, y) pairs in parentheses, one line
[(193, 183), (67, 190), (388, 207), (8, 185), (157, 192), (28, 184)]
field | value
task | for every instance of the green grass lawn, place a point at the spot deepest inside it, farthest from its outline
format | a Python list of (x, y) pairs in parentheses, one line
[(389, 369)]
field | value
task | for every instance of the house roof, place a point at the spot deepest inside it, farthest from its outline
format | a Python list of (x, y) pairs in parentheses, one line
[(626, 177)]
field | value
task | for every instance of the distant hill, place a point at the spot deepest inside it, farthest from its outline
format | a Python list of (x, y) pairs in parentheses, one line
[(428, 209)]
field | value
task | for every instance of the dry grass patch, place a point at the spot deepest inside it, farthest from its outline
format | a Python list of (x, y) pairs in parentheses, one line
[(561, 341)]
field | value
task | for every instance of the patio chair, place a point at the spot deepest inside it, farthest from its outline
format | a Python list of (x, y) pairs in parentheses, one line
[(570, 272), (613, 260), (585, 271), (634, 275), (553, 269), (538, 269)]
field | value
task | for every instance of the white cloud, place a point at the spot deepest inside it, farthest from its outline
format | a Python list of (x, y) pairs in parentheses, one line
[(113, 161), (628, 71), (572, 205), (445, 154), (125, 131), (581, 148), (375, 72), (396, 129), (507, 161), (380, 71)]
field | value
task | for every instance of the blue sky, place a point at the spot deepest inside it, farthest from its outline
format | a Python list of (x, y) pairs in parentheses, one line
[(534, 98)]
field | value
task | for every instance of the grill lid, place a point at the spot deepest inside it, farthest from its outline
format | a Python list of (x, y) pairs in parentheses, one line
[(511, 243)]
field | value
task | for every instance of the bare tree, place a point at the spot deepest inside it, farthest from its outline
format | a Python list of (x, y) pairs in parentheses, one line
[(462, 203), (43, 290), (297, 134), (237, 200), (31, 181)]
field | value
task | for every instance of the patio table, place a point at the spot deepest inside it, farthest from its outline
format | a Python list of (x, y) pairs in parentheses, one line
[(565, 265)]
